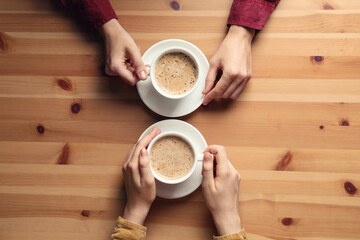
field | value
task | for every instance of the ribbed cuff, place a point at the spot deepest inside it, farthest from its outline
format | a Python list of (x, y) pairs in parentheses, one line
[(129, 224), (251, 13), (96, 14), (235, 236)]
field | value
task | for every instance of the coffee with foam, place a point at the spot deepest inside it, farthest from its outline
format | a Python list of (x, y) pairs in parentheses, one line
[(172, 157), (175, 73)]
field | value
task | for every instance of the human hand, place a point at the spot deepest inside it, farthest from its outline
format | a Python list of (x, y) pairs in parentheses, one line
[(233, 57), (139, 181), (221, 192), (123, 57)]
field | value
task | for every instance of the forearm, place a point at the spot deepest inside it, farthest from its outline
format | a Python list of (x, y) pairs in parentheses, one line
[(136, 215), (227, 223)]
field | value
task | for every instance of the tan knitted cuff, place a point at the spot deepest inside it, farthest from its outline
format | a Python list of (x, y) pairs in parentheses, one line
[(235, 236), (126, 230), (129, 224)]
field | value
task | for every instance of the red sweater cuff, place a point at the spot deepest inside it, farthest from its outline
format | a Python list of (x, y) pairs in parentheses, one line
[(251, 13), (93, 13)]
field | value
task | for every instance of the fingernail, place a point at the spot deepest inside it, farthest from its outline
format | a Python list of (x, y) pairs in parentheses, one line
[(147, 67), (143, 152), (156, 130), (207, 157), (143, 75)]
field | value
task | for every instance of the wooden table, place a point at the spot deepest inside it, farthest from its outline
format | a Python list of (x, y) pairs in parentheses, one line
[(294, 134)]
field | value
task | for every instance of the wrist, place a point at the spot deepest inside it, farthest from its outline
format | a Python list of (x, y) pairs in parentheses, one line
[(110, 29), (227, 223), (136, 215), (242, 33)]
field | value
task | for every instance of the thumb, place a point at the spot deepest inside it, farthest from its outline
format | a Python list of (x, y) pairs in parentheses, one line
[(208, 171), (146, 175), (138, 63)]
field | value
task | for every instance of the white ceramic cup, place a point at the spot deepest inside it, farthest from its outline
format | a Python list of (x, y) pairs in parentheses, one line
[(151, 72), (198, 157)]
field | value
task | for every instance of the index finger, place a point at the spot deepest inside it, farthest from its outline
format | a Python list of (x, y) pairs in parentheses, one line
[(145, 141), (210, 78), (222, 162), (127, 75), (135, 56), (218, 90)]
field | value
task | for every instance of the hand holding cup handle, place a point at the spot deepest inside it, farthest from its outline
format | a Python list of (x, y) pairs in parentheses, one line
[(220, 187)]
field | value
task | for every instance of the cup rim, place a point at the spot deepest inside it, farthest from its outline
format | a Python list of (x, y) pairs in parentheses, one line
[(172, 181), (152, 72)]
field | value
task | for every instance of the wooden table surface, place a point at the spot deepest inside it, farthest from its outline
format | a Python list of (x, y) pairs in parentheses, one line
[(294, 134)]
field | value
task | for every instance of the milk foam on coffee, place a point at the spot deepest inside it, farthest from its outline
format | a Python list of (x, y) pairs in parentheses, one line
[(175, 73), (171, 157)]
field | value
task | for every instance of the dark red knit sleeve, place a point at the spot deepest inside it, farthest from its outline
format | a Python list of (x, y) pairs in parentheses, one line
[(93, 13), (251, 13)]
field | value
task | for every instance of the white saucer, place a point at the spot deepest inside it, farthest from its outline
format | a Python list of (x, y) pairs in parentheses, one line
[(171, 191), (169, 107)]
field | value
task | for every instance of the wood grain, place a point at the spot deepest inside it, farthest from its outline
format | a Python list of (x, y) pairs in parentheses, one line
[(294, 133), (304, 160), (285, 44), (341, 91)]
